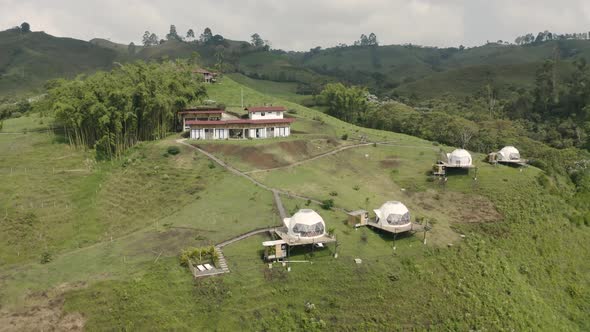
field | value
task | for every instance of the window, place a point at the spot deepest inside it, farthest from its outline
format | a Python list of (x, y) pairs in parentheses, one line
[(262, 114), (278, 113)]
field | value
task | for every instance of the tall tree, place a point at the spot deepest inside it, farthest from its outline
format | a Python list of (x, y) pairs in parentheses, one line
[(173, 35), (131, 48), (372, 39), (257, 41), (190, 34), (206, 35), (25, 27), (154, 39), (146, 39)]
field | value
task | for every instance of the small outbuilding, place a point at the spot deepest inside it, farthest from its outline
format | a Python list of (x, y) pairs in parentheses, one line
[(358, 218)]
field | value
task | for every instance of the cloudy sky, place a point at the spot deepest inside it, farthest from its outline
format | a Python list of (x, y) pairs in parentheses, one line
[(302, 24)]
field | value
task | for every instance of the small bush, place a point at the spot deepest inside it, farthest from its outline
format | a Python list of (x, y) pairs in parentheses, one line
[(543, 180), (45, 257), (185, 134), (327, 204), (344, 137), (211, 165), (333, 193), (364, 238), (308, 202), (173, 150), (331, 231), (356, 188), (538, 164)]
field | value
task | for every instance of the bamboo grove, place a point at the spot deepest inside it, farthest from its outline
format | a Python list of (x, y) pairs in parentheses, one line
[(112, 111)]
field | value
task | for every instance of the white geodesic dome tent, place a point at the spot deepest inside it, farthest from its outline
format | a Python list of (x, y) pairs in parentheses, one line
[(393, 213), (305, 223), (508, 153), (459, 158)]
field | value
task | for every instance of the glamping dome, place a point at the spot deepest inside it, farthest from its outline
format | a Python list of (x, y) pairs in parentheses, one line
[(459, 158), (393, 213), (305, 223), (508, 153)]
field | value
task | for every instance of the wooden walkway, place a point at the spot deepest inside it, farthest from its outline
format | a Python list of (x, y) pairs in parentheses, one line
[(279, 204), (245, 235)]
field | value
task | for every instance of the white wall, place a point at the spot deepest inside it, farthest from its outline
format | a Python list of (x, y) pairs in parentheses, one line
[(221, 133), (282, 131), (267, 115)]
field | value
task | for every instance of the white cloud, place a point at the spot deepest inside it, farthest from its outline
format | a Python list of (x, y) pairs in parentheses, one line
[(303, 24)]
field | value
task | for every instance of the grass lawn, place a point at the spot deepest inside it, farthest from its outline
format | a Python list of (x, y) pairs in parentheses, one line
[(112, 231), (283, 90)]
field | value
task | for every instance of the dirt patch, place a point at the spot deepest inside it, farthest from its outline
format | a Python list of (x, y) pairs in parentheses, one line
[(45, 313), (461, 208), (252, 155), (390, 163), (295, 148)]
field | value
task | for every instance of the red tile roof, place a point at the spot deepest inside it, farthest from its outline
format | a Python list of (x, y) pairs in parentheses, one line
[(265, 109), (202, 111), (241, 121), (204, 71)]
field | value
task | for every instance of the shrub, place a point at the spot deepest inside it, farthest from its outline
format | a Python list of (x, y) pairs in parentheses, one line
[(344, 137), (356, 188), (333, 193), (173, 150), (45, 257), (543, 180), (211, 165), (308, 202), (185, 134), (327, 204), (364, 238), (331, 231)]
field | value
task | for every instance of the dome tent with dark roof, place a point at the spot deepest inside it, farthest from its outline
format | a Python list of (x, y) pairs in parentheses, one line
[(305, 223)]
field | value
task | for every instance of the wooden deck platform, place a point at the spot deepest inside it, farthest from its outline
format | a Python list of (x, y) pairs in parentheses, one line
[(297, 241), (395, 229)]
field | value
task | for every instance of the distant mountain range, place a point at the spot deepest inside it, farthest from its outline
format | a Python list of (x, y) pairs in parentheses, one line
[(27, 60)]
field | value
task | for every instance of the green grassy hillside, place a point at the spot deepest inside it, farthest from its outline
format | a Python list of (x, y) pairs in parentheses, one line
[(502, 254), (27, 60)]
